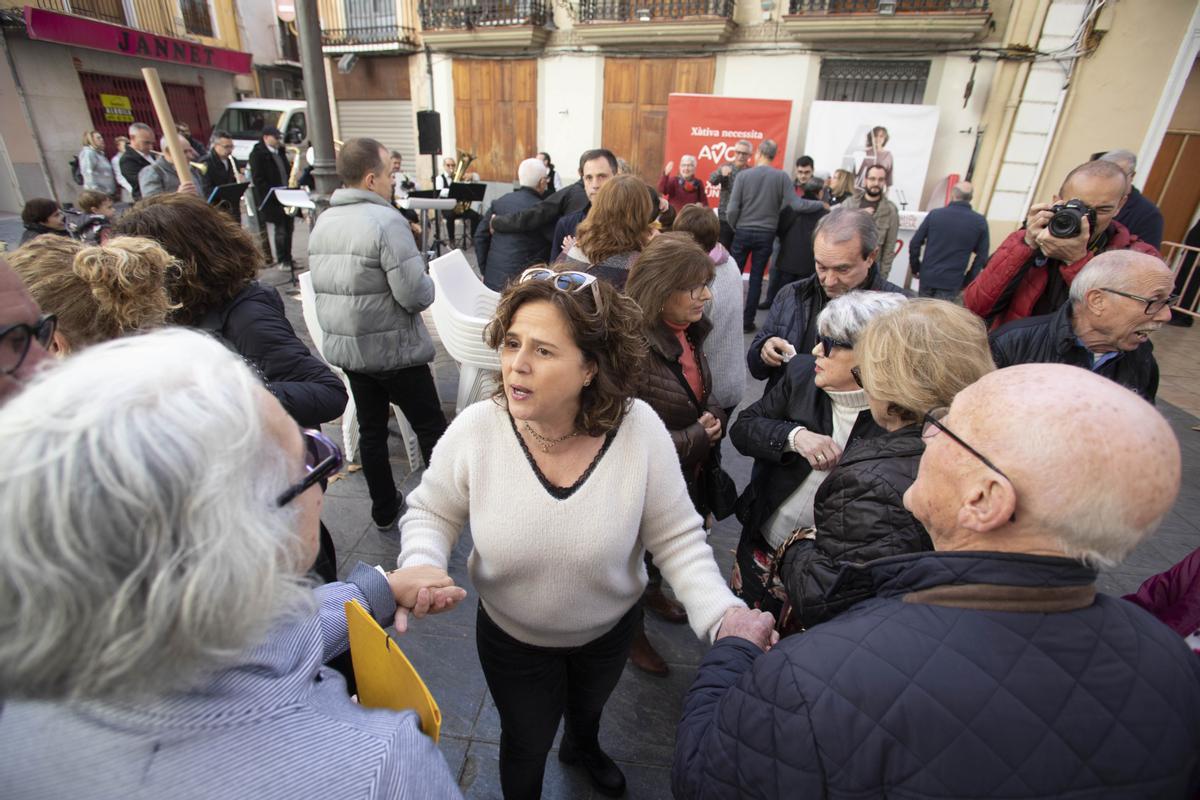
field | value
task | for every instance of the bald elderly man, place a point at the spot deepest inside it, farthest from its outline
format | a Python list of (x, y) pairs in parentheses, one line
[(1031, 271), (24, 333), (1116, 302), (989, 667)]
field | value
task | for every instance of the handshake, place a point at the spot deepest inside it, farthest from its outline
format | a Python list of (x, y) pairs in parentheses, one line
[(422, 590)]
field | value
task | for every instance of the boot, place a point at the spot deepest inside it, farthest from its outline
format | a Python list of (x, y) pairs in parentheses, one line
[(645, 657), (606, 776), (670, 610)]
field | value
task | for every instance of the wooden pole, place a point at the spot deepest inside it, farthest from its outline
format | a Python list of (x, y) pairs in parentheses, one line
[(167, 122)]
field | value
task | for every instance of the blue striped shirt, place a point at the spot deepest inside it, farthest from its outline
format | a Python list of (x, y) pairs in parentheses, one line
[(277, 725)]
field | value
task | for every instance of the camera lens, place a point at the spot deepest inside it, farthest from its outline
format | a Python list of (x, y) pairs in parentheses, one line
[(1066, 223)]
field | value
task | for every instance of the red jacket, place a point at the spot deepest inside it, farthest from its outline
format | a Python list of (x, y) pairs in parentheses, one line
[(1174, 596), (679, 195), (983, 292)]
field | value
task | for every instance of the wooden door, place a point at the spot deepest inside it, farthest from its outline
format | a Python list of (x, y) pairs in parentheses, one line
[(495, 114), (635, 105), (1172, 183)]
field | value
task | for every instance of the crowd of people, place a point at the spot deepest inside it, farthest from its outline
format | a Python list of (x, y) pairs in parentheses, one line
[(912, 608)]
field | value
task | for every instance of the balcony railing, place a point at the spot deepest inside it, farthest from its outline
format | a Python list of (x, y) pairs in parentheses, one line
[(154, 16), (370, 24), (455, 15), (650, 10), (884, 6)]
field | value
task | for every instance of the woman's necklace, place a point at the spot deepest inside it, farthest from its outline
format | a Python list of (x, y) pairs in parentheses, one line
[(545, 442)]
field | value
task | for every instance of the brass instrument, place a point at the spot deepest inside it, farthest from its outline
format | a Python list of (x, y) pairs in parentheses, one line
[(199, 166), (460, 172), (293, 178)]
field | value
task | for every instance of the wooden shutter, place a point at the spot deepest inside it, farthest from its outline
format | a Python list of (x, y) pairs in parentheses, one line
[(495, 114)]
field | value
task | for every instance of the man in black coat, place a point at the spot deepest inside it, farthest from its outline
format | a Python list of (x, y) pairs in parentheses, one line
[(949, 236), (138, 155), (1116, 302), (1138, 214), (794, 261), (595, 167), (502, 256), (221, 170), (270, 169), (845, 247), (990, 667)]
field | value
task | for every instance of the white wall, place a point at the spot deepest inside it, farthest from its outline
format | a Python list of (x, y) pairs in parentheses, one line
[(776, 76), (957, 126), (570, 106), (258, 24)]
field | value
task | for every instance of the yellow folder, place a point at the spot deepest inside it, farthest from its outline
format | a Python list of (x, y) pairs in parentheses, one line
[(385, 677)]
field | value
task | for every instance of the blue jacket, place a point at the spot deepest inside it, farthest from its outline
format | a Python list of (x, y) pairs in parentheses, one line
[(502, 256), (1142, 218), (950, 235), (901, 697)]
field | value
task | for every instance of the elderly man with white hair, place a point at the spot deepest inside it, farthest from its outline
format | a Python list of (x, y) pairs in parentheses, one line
[(685, 188), (1116, 302), (990, 667), (160, 511), (503, 256)]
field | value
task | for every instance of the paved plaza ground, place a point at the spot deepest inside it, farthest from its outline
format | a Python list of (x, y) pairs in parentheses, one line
[(639, 722)]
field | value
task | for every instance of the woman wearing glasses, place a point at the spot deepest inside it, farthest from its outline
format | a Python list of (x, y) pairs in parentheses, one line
[(161, 510), (796, 433), (912, 359), (670, 282), (566, 481)]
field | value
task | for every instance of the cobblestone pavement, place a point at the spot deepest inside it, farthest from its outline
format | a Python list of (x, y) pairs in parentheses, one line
[(639, 721)]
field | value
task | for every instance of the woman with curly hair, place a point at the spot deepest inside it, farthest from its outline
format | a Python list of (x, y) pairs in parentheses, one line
[(566, 480), (615, 230), (96, 293)]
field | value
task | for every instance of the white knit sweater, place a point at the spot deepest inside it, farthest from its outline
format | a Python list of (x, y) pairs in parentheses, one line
[(560, 573)]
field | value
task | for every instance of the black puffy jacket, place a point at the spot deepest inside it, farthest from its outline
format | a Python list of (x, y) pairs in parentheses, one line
[(1050, 339), (255, 325), (795, 242), (860, 516)]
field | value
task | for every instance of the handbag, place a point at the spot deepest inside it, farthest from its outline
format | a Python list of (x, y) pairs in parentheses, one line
[(775, 597), (717, 489)]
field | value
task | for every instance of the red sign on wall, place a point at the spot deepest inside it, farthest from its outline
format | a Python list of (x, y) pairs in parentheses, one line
[(708, 127), (50, 26)]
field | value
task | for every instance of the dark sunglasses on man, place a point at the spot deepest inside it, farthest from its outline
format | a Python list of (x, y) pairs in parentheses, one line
[(322, 460), (15, 341)]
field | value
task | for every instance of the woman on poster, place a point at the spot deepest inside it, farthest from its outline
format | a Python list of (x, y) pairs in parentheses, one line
[(875, 153)]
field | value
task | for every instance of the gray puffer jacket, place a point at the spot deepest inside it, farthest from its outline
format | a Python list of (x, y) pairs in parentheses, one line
[(371, 285)]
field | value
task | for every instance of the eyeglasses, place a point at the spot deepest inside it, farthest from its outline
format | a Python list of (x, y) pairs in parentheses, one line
[(322, 459), (934, 417), (742, 152), (1153, 306), (856, 373), (827, 344), (569, 281), (15, 341)]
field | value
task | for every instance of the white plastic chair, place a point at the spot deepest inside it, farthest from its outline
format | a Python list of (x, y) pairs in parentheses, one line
[(412, 447), (462, 307)]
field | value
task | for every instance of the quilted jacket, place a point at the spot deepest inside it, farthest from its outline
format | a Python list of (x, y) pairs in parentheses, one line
[(1003, 292), (860, 516), (904, 699), (662, 387), (793, 317), (1050, 339)]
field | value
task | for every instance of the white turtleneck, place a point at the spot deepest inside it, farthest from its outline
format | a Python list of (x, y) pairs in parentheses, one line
[(797, 510)]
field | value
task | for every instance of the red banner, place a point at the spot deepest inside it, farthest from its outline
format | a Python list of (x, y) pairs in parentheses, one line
[(49, 26), (708, 127)]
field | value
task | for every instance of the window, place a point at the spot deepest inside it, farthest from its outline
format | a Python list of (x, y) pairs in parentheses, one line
[(860, 81), (196, 17), (247, 123), (297, 130)]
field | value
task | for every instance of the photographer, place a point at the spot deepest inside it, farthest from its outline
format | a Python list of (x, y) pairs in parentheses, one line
[(1031, 272)]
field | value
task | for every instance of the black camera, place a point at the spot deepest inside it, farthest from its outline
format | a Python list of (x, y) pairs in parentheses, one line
[(1068, 219)]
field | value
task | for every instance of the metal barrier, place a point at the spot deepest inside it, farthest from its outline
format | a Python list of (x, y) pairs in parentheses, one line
[(1184, 264)]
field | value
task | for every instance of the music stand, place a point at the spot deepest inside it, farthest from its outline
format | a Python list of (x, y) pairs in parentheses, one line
[(288, 198), (467, 193), (228, 197)]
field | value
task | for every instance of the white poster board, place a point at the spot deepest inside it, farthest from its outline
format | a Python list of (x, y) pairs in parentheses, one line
[(838, 135)]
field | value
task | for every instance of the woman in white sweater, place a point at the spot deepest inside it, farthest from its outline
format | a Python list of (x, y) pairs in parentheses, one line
[(566, 481)]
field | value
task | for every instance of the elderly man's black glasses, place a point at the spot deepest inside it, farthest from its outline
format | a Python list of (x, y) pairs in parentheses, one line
[(1153, 305), (322, 459), (15, 341), (933, 419), (828, 343)]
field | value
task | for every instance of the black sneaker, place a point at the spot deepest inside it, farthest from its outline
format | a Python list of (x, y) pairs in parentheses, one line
[(604, 773), (749, 327), (390, 524)]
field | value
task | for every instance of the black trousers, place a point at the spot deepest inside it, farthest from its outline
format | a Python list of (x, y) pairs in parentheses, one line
[(413, 390), (726, 235), (470, 219), (534, 686), (283, 239)]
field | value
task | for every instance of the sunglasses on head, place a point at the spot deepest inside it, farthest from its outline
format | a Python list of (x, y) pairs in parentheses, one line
[(828, 343), (569, 281), (322, 460)]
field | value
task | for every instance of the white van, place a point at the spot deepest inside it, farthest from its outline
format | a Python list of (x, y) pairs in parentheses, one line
[(245, 119)]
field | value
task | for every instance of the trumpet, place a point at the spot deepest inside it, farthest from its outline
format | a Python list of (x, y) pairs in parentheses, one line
[(199, 166)]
